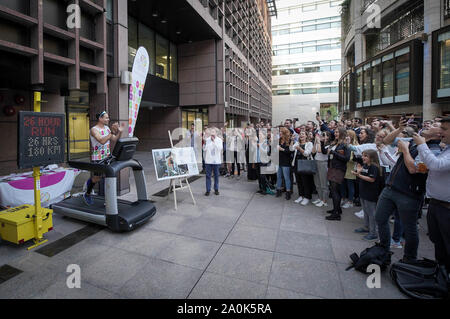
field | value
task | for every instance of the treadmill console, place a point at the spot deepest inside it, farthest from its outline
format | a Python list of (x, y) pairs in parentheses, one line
[(125, 148)]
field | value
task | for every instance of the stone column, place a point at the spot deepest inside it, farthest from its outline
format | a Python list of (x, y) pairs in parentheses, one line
[(432, 21), (117, 92)]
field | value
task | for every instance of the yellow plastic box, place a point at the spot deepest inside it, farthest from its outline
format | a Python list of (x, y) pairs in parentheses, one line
[(16, 224)]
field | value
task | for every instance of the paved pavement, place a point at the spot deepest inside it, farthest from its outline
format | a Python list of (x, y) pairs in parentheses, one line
[(236, 245)]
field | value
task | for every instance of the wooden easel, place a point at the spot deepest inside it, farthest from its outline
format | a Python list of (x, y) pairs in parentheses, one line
[(175, 181)]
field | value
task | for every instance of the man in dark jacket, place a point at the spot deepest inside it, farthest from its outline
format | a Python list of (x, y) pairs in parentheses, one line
[(404, 192)]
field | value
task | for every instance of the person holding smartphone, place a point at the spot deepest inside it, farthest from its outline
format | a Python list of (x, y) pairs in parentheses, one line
[(284, 164)]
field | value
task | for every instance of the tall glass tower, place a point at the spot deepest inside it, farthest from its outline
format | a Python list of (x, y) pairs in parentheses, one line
[(306, 64)]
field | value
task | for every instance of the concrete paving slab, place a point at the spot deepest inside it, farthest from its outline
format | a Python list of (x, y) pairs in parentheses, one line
[(111, 270), (305, 275), (305, 245), (215, 286), (242, 263), (160, 279), (268, 219), (189, 252), (208, 228), (298, 223), (253, 237), (59, 290)]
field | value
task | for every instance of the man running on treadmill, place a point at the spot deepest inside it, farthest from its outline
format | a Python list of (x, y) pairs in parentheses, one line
[(101, 136)]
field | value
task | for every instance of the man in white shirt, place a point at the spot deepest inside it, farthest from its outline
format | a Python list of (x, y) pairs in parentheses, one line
[(438, 217), (213, 158)]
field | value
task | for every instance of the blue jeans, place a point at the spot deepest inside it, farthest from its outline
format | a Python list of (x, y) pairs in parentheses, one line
[(348, 189), (286, 172), (209, 170), (390, 201)]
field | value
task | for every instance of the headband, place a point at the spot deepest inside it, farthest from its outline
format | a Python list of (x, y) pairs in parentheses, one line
[(101, 114)]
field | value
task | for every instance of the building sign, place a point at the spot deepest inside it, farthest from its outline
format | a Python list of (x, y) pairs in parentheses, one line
[(139, 76), (41, 139)]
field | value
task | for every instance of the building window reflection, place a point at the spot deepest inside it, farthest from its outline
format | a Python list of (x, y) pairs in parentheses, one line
[(359, 85), (173, 63), (146, 39), (162, 57), (444, 70), (367, 85), (388, 79), (376, 84), (402, 75)]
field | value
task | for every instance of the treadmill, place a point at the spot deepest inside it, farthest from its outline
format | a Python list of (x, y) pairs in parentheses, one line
[(118, 215)]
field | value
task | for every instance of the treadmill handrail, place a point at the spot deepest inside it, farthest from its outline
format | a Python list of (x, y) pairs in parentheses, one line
[(111, 170)]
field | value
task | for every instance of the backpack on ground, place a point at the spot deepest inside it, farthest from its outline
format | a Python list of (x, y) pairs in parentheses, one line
[(375, 255), (421, 279)]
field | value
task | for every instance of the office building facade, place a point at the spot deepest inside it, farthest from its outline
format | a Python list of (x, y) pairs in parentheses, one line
[(210, 62), (397, 61), (306, 58)]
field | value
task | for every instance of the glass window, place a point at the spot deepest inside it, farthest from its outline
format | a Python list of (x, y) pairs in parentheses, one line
[(323, 90), (402, 75), (282, 52), (312, 69), (359, 84), (132, 40), (310, 91), (309, 49), (282, 92), (388, 79), (147, 40), (376, 86), (334, 89), (109, 9), (367, 85), (296, 92), (335, 24), (285, 31), (325, 69), (444, 74), (335, 3), (307, 8), (173, 63), (323, 26), (323, 47), (309, 28), (336, 67), (162, 53)]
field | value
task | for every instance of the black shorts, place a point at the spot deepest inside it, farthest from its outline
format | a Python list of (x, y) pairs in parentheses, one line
[(97, 173)]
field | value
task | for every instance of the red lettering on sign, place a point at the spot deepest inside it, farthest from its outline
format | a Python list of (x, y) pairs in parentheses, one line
[(35, 131)]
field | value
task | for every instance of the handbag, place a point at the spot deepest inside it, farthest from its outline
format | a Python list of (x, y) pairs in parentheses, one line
[(308, 167)]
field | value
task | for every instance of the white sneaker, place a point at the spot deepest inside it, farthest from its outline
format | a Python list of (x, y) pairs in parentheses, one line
[(320, 204), (316, 201), (347, 205), (325, 204), (298, 200), (305, 201), (360, 214)]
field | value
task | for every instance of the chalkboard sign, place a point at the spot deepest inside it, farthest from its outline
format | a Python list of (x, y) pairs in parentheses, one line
[(41, 139)]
